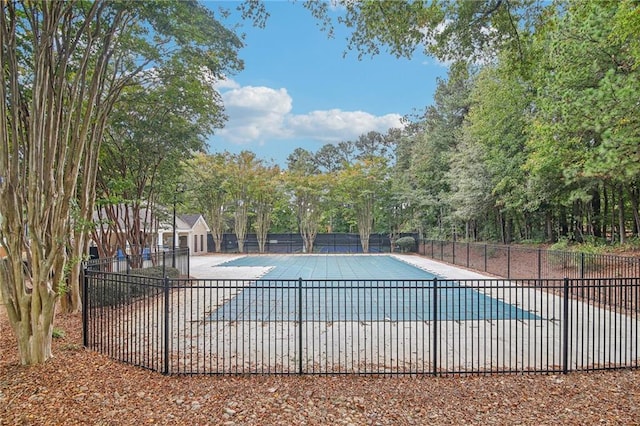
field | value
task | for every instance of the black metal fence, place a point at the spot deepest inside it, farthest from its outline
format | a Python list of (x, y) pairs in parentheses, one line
[(177, 259), (434, 327), (292, 243), (519, 262)]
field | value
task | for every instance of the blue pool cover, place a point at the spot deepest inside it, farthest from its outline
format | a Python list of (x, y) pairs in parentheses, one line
[(355, 288)]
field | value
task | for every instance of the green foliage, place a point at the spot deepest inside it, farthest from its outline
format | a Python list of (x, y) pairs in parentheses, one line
[(156, 272), (590, 247), (58, 333), (561, 245), (406, 244), (123, 289), (448, 30)]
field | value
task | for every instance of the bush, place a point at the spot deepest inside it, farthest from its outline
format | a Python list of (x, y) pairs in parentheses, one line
[(104, 291), (120, 289), (561, 245), (155, 272), (146, 281), (589, 246), (406, 244)]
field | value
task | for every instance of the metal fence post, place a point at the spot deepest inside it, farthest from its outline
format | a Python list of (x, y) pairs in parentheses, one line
[(453, 252), (85, 307), (485, 258), (565, 328), (582, 265), (128, 263), (435, 327), (508, 262), (468, 252), (539, 264), (300, 325), (165, 368)]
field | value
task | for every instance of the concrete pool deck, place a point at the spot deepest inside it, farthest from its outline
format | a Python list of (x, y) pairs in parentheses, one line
[(209, 267)]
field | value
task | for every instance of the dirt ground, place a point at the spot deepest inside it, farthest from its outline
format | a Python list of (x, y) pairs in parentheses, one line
[(83, 387)]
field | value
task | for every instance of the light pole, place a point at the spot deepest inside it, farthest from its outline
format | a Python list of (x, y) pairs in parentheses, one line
[(179, 189)]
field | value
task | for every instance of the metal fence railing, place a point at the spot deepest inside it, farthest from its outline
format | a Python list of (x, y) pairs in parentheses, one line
[(323, 243), (519, 262), (176, 259), (435, 327)]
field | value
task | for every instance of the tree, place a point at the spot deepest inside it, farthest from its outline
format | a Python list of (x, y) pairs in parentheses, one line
[(433, 147), (331, 158), (626, 27), (373, 144), (241, 184), (154, 127), (458, 30), (584, 134), (494, 179), (361, 186), (266, 192), (64, 66), (208, 175), (308, 190)]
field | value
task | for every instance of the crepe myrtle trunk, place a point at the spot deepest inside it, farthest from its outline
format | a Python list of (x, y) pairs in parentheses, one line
[(30, 303)]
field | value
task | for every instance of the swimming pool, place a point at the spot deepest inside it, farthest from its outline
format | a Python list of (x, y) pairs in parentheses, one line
[(356, 288)]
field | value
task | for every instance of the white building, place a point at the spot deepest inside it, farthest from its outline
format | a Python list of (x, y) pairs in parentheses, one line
[(191, 232), (191, 229)]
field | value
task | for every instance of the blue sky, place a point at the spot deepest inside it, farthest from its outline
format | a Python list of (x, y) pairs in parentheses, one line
[(298, 90)]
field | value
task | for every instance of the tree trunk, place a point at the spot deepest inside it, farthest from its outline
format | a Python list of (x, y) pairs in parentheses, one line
[(633, 193), (576, 221), (621, 222), (365, 221), (71, 300), (216, 215), (596, 216), (605, 213), (262, 225), (548, 220), (34, 329), (564, 227), (240, 222)]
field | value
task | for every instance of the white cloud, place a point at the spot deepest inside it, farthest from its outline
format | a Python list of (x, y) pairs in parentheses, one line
[(336, 125), (226, 84), (258, 114)]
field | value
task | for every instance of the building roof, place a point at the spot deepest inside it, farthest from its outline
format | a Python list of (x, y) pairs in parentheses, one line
[(163, 216), (190, 219)]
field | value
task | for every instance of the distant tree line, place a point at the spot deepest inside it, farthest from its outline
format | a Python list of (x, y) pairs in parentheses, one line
[(533, 136), (535, 133)]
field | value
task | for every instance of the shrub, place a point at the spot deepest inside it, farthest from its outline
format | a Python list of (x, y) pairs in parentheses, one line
[(104, 291), (406, 244), (113, 290), (561, 245), (155, 272)]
